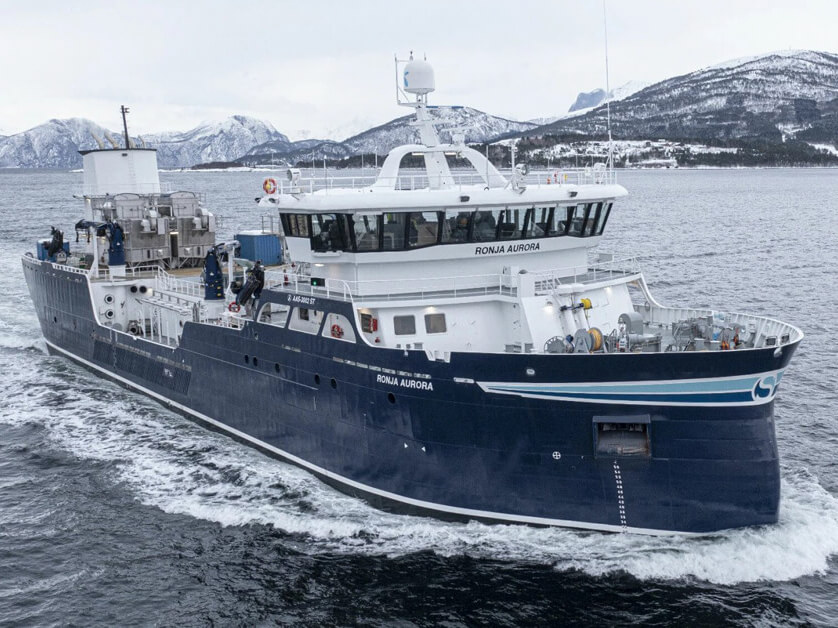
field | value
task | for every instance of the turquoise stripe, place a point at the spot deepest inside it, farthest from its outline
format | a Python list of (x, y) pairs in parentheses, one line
[(665, 388), (657, 398)]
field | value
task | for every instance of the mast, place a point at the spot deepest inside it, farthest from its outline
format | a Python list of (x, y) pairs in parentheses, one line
[(123, 109), (607, 90)]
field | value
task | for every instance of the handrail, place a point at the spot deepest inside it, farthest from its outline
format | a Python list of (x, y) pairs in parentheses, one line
[(544, 281), (150, 188), (421, 181), (172, 283)]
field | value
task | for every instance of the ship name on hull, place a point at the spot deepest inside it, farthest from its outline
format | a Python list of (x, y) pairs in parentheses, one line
[(404, 382)]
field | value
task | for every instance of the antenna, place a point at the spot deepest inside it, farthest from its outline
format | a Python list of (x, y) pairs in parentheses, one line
[(607, 91), (123, 109)]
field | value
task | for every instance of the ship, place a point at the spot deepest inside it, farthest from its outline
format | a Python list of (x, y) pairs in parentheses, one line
[(445, 340)]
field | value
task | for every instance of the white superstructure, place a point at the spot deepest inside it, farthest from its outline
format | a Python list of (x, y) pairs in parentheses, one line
[(115, 171)]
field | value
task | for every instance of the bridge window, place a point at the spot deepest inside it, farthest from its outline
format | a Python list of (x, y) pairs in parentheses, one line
[(396, 231), (331, 232), (593, 220), (576, 219), (296, 225), (395, 225), (514, 224), (485, 228), (423, 229), (366, 230), (544, 222), (604, 218), (456, 226), (435, 323), (404, 325)]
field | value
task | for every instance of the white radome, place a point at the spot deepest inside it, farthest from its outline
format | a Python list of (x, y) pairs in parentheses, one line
[(419, 77)]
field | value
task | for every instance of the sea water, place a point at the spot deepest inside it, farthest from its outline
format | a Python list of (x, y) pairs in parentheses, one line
[(114, 510)]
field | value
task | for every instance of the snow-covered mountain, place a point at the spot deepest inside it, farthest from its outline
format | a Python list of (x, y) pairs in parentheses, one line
[(55, 144), (589, 100), (213, 141), (586, 100), (477, 126), (773, 97)]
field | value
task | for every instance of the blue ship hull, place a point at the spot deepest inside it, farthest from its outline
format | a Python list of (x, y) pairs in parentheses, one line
[(456, 439)]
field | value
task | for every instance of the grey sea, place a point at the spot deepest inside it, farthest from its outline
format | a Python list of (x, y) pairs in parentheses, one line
[(116, 511)]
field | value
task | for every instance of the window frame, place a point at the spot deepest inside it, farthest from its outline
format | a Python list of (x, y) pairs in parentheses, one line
[(607, 212), (412, 318), (436, 315)]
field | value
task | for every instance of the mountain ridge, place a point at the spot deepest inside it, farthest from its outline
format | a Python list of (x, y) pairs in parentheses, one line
[(775, 98), (755, 98)]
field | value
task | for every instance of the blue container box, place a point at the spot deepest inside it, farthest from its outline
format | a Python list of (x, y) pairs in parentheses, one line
[(43, 245), (256, 245)]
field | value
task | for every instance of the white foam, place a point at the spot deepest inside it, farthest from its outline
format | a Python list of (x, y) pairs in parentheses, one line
[(172, 464)]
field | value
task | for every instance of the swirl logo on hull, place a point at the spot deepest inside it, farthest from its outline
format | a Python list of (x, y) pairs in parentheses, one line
[(766, 387)]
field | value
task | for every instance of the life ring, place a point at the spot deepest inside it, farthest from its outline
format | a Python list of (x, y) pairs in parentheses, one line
[(234, 307), (337, 331), (269, 185)]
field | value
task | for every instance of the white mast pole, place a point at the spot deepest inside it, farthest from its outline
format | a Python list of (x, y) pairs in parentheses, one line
[(607, 91)]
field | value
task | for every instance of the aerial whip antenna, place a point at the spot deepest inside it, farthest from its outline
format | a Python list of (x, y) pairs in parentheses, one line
[(607, 91)]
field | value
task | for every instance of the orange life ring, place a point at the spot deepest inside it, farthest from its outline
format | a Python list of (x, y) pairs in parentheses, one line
[(337, 331), (234, 307), (269, 186)]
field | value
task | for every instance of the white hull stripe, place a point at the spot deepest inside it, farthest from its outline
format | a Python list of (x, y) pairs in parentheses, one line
[(464, 512), (715, 391)]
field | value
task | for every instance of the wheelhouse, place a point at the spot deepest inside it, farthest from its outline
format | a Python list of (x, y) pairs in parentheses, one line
[(363, 232)]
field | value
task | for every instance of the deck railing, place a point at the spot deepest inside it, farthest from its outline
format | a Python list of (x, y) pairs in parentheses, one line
[(165, 281), (602, 268), (419, 181)]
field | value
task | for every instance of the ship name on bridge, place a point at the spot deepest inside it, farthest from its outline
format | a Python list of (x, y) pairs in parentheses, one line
[(521, 247)]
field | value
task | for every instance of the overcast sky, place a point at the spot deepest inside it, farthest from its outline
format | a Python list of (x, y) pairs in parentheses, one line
[(325, 69)]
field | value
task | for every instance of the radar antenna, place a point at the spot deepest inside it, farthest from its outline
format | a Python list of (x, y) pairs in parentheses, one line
[(123, 109)]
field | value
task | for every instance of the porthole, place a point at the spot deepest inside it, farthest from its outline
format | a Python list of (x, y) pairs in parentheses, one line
[(334, 383), (54, 319), (255, 361), (391, 397), (247, 359), (109, 314), (134, 289), (109, 299), (143, 289), (316, 379), (256, 335), (277, 368)]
